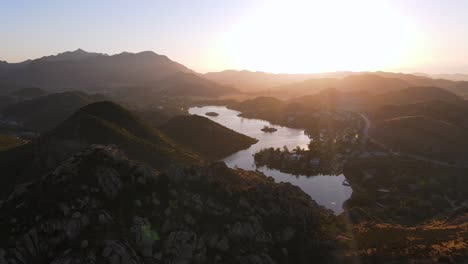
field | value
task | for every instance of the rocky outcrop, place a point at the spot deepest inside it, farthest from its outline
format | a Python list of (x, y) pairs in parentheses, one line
[(100, 207)]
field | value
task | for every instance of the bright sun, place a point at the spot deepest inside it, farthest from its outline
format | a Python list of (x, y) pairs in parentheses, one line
[(318, 35)]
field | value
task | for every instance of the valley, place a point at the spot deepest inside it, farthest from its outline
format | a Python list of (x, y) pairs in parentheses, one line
[(180, 166)]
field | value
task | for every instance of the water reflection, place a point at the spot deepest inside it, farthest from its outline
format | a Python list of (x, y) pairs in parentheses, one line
[(326, 190)]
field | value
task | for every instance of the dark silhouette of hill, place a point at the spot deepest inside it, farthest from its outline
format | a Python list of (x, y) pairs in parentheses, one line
[(97, 123), (369, 82), (413, 95), (129, 74), (256, 81), (11, 94), (76, 55), (423, 135), (332, 98), (455, 114), (29, 92), (261, 103), (190, 84), (307, 87), (78, 69), (426, 121), (206, 137), (365, 82), (45, 112)]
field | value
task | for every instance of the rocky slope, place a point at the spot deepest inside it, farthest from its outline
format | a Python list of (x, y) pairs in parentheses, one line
[(99, 207)]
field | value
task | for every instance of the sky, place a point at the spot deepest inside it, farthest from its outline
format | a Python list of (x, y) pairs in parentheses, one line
[(281, 36)]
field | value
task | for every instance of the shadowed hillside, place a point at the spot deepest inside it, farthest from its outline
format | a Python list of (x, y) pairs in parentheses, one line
[(455, 114), (98, 123), (423, 136), (80, 69), (206, 137), (413, 95), (45, 112)]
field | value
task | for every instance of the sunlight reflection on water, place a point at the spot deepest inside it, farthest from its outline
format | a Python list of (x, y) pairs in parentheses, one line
[(326, 190)]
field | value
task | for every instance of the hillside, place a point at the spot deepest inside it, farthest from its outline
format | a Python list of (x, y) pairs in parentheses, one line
[(44, 113), (307, 87), (369, 82), (332, 99), (425, 136), (352, 83), (97, 123), (208, 138), (189, 84), (249, 81), (29, 92), (419, 94), (262, 107), (455, 114)]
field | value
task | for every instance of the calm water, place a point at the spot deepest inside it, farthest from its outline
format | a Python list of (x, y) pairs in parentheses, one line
[(325, 190)]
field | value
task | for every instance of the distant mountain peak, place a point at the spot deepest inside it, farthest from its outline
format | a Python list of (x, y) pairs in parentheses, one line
[(147, 52), (75, 55)]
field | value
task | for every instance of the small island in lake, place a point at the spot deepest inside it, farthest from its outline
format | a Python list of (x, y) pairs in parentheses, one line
[(269, 129), (212, 114)]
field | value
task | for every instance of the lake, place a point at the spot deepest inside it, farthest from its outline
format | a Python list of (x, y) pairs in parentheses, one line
[(326, 190)]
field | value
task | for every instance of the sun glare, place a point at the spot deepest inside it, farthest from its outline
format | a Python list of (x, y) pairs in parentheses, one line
[(316, 35)]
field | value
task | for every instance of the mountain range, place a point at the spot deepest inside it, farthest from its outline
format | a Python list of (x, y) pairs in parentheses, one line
[(86, 71), (147, 74)]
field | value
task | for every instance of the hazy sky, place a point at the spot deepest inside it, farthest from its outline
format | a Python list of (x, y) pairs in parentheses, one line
[(267, 35)]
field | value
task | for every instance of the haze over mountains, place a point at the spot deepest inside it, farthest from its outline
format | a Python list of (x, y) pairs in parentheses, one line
[(150, 72), (81, 70), (101, 162)]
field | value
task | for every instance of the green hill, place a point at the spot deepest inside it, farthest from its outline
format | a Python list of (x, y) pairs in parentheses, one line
[(206, 137)]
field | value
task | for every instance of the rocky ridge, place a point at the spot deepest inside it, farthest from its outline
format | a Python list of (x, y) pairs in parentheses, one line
[(100, 207)]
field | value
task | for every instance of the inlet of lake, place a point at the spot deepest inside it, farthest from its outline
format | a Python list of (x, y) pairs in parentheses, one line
[(326, 190)]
